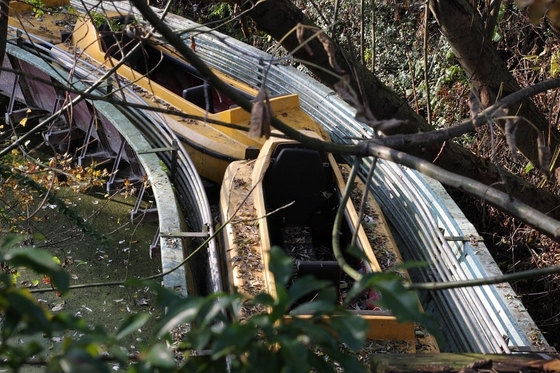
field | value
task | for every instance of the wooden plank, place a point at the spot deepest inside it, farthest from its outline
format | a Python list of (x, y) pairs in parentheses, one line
[(448, 362)]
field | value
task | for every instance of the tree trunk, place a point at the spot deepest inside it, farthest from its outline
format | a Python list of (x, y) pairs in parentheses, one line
[(4, 9), (464, 30)]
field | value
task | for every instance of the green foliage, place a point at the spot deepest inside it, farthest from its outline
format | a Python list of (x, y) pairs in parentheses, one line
[(267, 340), (221, 10), (115, 24), (38, 7)]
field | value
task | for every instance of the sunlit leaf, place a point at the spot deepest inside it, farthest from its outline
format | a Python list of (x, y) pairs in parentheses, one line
[(23, 121), (555, 64)]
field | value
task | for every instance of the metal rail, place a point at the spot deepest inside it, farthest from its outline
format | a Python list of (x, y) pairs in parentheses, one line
[(425, 220)]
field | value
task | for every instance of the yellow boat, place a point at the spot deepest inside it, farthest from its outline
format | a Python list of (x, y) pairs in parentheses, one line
[(169, 81), (288, 197)]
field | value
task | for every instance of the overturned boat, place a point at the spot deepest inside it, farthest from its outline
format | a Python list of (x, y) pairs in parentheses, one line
[(288, 196), (168, 81)]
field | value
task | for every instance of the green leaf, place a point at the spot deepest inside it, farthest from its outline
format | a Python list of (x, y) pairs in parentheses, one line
[(294, 354), (350, 329), (234, 337), (304, 286), (183, 312), (165, 297), (281, 266), (263, 298), (214, 308), (318, 331), (160, 356), (131, 324), (316, 307), (528, 167), (357, 252), (8, 241), (199, 338), (403, 303), (76, 361), (28, 310), (41, 262)]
